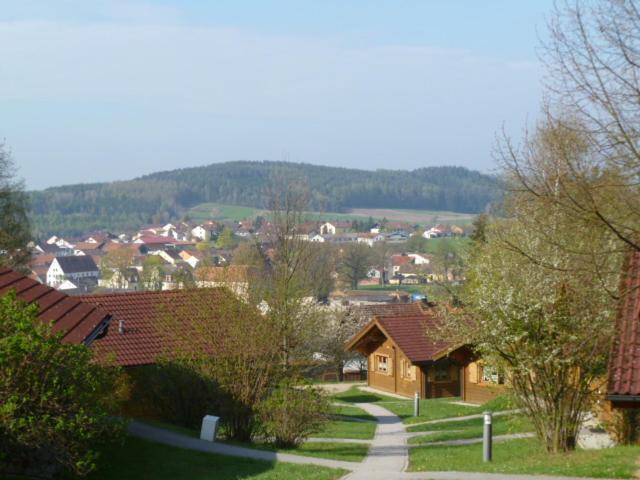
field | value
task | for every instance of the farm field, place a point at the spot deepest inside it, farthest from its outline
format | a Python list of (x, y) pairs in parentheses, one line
[(219, 211)]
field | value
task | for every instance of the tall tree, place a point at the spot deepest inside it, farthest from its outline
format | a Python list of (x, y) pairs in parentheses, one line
[(286, 285), (534, 306), (15, 228), (593, 60), (355, 261)]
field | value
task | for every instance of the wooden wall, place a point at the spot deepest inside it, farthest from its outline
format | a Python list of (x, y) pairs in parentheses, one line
[(393, 381), (474, 390)]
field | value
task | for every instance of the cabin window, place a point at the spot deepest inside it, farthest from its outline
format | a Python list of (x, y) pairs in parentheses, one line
[(491, 374), (408, 370), (382, 364), (441, 373)]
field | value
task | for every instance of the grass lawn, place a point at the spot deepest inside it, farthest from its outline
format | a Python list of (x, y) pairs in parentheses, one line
[(393, 288), (526, 456), (347, 429), (355, 395), (470, 428), (351, 411), (349, 452), (344, 427), (432, 409), (139, 459)]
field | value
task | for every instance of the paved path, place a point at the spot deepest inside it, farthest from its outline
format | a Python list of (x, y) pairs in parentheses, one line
[(168, 437), (388, 455)]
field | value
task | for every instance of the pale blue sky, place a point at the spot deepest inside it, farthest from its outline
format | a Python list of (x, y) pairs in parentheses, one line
[(104, 90)]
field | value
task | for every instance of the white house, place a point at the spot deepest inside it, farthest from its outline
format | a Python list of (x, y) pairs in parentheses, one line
[(327, 229), (419, 259), (201, 233), (433, 232), (76, 269), (317, 238)]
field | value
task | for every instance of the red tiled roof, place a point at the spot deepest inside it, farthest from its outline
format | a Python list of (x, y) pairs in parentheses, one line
[(398, 260), (388, 309), (624, 361), (414, 334), (77, 320), (142, 314)]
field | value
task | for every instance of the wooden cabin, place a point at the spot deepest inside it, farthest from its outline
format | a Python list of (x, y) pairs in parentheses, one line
[(403, 357), (623, 386)]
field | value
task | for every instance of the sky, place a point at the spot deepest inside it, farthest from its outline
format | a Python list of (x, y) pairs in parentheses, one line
[(101, 90)]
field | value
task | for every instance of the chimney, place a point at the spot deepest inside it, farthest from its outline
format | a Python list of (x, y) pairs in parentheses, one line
[(121, 327)]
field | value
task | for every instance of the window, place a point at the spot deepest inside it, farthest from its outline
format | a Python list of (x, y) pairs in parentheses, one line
[(441, 373), (382, 364), (491, 374), (408, 370)]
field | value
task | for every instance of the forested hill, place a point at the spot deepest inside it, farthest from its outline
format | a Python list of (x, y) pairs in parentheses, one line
[(161, 196)]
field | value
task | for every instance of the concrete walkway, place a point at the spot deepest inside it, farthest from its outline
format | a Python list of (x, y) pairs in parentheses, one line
[(388, 455), (174, 439)]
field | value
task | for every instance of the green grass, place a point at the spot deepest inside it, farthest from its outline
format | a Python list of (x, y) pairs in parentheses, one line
[(332, 429), (470, 428), (190, 432), (355, 395), (219, 211), (527, 456), (349, 452), (432, 409), (351, 411), (222, 211), (139, 459), (346, 429)]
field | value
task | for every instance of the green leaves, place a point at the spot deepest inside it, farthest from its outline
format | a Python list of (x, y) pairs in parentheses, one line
[(54, 399)]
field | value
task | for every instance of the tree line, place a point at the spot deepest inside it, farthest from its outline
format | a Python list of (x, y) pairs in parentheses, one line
[(164, 196)]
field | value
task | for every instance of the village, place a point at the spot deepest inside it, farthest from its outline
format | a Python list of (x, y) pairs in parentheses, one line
[(203, 253), (364, 240)]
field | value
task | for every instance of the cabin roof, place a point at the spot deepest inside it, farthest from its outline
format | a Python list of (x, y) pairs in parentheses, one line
[(413, 334), (152, 322), (78, 321), (624, 361)]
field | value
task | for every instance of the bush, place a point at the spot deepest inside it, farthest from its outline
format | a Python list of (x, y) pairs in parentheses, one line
[(54, 400), (291, 413), (172, 392)]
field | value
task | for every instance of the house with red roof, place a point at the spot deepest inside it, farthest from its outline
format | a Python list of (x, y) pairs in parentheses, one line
[(405, 356), (623, 386), (76, 321)]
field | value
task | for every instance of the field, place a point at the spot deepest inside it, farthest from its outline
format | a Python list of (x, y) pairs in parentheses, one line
[(421, 217), (218, 211)]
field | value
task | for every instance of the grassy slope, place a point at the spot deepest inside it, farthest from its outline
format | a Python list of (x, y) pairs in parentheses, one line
[(140, 460), (220, 211), (344, 427), (526, 456), (470, 428)]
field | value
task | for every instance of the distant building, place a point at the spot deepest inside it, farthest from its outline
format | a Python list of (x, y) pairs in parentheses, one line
[(82, 271)]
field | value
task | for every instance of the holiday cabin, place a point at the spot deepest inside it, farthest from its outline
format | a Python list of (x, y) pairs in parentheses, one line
[(405, 357)]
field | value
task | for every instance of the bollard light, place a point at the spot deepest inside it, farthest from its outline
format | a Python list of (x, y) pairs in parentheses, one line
[(416, 405), (486, 437)]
